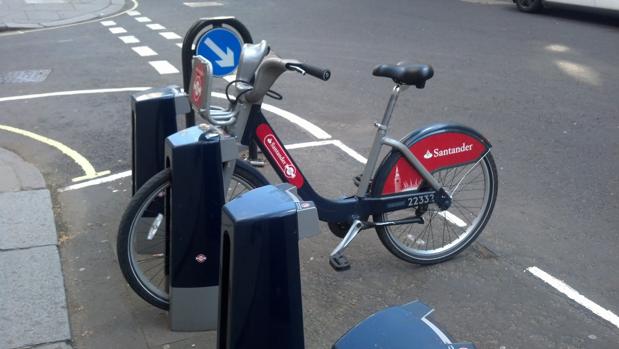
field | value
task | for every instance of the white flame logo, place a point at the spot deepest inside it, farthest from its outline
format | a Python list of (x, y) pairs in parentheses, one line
[(427, 155), (290, 171)]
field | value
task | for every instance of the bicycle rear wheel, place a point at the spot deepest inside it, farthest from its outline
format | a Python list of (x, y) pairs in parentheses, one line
[(444, 234), (141, 240)]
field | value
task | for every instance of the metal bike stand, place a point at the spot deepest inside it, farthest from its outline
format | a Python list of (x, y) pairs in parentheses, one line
[(201, 161), (260, 285), (153, 118), (198, 29), (189, 47)]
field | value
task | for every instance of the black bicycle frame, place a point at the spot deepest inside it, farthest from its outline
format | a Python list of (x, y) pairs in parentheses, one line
[(341, 210)]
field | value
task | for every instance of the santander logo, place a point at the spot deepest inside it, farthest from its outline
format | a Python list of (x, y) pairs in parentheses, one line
[(285, 166), (436, 153)]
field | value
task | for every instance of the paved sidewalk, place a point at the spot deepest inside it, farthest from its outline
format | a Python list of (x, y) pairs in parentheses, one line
[(31, 14), (33, 308)]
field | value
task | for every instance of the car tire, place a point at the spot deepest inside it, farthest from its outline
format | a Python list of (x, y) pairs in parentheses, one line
[(529, 6)]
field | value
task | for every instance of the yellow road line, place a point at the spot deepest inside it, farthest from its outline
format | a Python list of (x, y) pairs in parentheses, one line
[(89, 170)]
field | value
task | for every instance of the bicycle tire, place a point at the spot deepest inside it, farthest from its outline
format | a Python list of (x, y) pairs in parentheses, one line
[(408, 246), (141, 209)]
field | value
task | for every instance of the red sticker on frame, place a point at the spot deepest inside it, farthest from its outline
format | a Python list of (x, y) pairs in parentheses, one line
[(277, 152)]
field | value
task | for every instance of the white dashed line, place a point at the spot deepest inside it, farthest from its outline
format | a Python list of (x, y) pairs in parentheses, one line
[(129, 39), (163, 67), (118, 30), (155, 26), (108, 23), (170, 35), (575, 295), (144, 51), (143, 19), (179, 44), (202, 4), (133, 13)]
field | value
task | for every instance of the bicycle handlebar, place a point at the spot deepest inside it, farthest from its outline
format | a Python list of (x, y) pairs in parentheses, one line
[(271, 68), (303, 68)]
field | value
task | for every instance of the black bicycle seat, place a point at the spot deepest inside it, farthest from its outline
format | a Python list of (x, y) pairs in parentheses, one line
[(406, 74)]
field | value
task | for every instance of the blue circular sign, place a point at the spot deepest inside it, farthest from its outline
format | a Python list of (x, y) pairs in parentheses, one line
[(222, 47)]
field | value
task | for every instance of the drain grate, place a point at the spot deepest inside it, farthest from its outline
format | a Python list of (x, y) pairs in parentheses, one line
[(24, 76)]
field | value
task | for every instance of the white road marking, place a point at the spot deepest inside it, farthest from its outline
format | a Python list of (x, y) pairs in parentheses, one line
[(304, 124), (230, 77), (89, 170), (453, 219), (118, 30), (143, 19), (575, 295), (133, 13), (170, 35), (346, 149), (297, 120), (100, 180), (308, 144), (72, 93), (350, 151), (163, 67), (179, 44), (144, 51), (202, 4), (129, 39), (155, 26), (108, 23)]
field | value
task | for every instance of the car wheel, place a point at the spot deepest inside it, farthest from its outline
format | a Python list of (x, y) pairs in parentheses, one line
[(529, 5)]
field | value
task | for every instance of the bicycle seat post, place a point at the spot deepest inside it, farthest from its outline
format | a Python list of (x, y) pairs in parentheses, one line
[(376, 144)]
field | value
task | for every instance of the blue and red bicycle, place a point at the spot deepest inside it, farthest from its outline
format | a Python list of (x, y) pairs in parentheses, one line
[(428, 198)]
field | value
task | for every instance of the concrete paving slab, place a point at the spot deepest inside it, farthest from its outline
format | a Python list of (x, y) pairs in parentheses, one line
[(27, 220), (33, 307)]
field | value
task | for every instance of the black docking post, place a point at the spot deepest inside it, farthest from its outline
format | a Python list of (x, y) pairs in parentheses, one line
[(153, 118), (197, 158), (260, 286)]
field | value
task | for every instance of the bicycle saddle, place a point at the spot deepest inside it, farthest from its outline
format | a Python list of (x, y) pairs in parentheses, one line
[(406, 74)]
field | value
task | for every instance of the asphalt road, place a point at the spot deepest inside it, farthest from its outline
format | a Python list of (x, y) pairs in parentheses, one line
[(542, 88)]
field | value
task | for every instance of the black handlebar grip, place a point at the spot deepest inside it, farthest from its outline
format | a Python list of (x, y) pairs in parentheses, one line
[(322, 74)]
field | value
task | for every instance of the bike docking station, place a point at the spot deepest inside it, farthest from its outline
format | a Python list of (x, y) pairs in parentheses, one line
[(234, 267)]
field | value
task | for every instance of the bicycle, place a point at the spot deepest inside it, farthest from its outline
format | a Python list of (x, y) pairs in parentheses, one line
[(442, 176)]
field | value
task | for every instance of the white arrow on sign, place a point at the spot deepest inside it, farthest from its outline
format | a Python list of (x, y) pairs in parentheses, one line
[(226, 58)]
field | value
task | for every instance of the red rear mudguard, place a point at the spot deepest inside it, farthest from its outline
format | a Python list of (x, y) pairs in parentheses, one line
[(437, 147)]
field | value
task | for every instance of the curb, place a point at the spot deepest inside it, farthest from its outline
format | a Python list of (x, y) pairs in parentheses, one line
[(33, 305), (114, 7)]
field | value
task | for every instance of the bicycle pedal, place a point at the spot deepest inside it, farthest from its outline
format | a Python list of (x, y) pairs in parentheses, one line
[(339, 262)]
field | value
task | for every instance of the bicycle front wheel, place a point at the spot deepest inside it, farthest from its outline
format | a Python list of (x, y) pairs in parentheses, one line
[(141, 240), (443, 234)]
